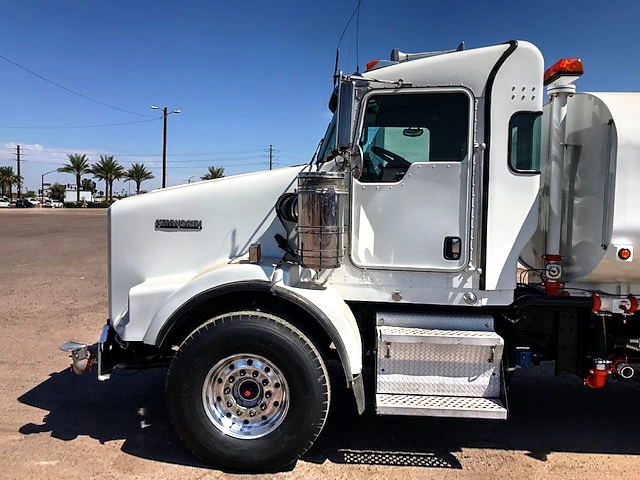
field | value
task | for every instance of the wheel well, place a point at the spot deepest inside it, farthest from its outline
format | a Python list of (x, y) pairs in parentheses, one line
[(260, 300)]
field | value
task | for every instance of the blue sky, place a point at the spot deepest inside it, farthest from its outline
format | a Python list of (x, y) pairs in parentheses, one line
[(246, 74)]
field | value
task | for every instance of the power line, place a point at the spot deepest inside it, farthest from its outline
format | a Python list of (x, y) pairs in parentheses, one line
[(80, 126), (180, 154), (229, 165), (72, 91)]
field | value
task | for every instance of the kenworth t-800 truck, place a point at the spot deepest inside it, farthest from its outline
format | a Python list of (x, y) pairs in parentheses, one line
[(449, 230)]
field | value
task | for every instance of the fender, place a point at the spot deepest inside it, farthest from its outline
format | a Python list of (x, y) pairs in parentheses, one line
[(327, 306), (200, 287), (324, 304)]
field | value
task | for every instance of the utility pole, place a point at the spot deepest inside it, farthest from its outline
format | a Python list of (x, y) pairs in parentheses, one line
[(164, 148), (19, 177), (270, 157), (165, 114)]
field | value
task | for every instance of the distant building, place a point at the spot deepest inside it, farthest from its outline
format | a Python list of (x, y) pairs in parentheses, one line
[(72, 196)]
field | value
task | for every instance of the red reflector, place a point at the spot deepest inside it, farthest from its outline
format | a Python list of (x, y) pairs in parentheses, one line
[(566, 66), (624, 254), (247, 394), (372, 64)]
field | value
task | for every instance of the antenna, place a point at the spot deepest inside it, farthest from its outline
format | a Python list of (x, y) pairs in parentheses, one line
[(358, 38), (355, 10)]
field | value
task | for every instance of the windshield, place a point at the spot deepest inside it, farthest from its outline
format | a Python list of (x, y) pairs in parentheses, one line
[(328, 142)]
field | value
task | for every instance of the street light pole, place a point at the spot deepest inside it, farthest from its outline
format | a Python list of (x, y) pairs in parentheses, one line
[(165, 114), (164, 148), (42, 185)]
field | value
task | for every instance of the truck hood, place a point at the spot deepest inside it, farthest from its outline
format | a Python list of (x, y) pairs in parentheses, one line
[(180, 231)]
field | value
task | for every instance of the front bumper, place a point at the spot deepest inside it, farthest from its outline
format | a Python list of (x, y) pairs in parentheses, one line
[(107, 348)]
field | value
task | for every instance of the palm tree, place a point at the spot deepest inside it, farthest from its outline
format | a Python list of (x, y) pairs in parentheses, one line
[(78, 165), (88, 185), (109, 170), (213, 172), (7, 179), (56, 192), (138, 173)]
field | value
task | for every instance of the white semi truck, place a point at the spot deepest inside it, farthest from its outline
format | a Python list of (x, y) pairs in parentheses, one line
[(395, 252)]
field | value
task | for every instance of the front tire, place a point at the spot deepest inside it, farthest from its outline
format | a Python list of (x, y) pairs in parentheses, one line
[(248, 391)]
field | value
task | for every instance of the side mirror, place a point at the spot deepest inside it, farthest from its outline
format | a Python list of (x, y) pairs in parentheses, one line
[(344, 121)]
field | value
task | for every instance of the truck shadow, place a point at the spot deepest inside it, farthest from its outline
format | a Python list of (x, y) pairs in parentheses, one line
[(128, 407), (548, 414)]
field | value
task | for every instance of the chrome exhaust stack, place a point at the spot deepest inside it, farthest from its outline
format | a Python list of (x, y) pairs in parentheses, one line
[(321, 225)]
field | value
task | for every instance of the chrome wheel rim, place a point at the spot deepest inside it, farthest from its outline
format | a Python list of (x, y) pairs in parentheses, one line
[(245, 396)]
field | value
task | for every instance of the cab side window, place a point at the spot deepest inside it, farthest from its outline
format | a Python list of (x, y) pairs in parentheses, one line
[(524, 142), (401, 129)]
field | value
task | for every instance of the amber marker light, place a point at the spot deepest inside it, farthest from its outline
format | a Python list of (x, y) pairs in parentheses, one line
[(372, 64), (563, 67)]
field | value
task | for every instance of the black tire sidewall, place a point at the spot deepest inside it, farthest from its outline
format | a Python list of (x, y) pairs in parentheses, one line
[(282, 345)]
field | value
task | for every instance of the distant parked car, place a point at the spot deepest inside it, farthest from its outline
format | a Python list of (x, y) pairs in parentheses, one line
[(4, 202), (52, 204), (33, 201), (23, 203)]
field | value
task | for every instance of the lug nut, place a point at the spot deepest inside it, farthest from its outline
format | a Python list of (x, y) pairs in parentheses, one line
[(229, 403), (252, 413), (242, 373), (254, 374), (239, 412), (267, 394), (263, 406), (227, 391)]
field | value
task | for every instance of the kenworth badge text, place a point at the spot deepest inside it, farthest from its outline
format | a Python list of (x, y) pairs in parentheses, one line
[(395, 252)]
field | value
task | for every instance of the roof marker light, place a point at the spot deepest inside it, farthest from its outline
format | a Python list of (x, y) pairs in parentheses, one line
[(372, 64), (563, 67)]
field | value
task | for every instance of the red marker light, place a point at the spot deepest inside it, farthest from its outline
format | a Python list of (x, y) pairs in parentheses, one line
[(566, 66), (624, 254)]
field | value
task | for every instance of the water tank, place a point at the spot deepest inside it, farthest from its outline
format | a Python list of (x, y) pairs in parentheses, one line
[(600, 209)]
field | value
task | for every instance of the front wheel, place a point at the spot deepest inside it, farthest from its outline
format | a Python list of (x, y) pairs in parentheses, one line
[(248, 391)]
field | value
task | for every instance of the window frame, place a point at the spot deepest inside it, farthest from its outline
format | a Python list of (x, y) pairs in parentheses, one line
[(329, 134), (471, 119), (537, 116)]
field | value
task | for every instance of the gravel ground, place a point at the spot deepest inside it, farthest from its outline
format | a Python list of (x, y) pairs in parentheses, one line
[(54, 424)]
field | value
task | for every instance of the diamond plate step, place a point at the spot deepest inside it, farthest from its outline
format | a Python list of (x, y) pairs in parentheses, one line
[(456, 363), (440, 406), (444, 321), (438, 336)]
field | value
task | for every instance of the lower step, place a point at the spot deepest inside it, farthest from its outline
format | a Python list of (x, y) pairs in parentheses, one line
[(438, 406)]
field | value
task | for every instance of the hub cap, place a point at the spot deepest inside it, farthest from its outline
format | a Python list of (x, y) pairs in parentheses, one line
[(245, 396)]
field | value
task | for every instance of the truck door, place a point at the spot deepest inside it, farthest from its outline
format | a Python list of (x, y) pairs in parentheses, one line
[(411, 205)]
